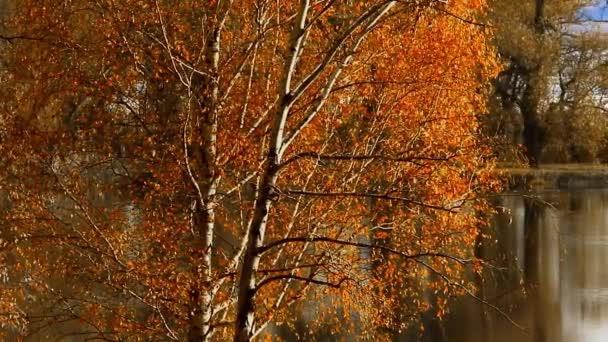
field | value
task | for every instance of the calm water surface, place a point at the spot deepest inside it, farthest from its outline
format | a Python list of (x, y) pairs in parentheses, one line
[(555, 247)]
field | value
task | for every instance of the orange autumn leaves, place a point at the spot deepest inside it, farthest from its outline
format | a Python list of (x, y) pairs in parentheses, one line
[(146, 131)]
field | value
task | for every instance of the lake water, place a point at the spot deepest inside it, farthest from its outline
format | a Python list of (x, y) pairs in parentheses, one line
[(552, 275)]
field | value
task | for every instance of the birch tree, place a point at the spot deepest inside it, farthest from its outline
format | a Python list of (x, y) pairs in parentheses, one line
[(199, 170)]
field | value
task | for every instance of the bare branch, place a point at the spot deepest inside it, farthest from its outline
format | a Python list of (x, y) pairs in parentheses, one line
[(451, 209), (393, 158), (304, 279), (266, 248)]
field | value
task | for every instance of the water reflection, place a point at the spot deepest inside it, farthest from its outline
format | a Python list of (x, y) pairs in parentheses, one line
[(555, 250), (585, 280)]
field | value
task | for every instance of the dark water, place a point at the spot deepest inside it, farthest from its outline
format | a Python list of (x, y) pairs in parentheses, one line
[(552, 280)]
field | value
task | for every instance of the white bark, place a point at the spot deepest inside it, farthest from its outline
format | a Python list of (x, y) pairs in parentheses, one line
[(245, 320), (244, 323)]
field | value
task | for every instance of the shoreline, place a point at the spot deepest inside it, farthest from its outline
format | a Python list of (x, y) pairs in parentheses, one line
[(556, 176)]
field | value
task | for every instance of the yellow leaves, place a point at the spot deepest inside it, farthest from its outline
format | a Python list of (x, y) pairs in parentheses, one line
[(397, 113)]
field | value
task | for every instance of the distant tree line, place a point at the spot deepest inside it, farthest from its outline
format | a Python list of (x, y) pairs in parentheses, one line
[(550, 102)]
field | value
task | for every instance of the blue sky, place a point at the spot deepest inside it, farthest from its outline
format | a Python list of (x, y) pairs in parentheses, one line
[(597, 12)]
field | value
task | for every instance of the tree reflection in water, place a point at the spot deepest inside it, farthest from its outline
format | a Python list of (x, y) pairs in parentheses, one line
[(553, 251)]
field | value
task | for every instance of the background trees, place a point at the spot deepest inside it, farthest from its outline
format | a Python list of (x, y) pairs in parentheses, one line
[(551, 92), (187, 170)]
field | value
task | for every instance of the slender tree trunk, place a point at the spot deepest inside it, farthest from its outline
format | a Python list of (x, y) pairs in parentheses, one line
[(204, 207), (246, 284), (244, 324)]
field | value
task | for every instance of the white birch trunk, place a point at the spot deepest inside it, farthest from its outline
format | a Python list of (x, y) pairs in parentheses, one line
[(244, 324)]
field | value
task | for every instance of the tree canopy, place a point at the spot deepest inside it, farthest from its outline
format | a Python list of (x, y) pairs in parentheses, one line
[(550, 97), (197, 170)]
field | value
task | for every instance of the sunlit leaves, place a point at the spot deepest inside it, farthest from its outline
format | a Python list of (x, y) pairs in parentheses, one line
[(139, 141)]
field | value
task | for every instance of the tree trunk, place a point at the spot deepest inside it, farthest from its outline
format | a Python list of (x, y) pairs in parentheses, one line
[(205, 155), (246, 283), (534, 136), (244, 324), (534, 132)]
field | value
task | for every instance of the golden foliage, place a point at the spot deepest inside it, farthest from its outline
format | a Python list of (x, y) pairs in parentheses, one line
[(138, 154)]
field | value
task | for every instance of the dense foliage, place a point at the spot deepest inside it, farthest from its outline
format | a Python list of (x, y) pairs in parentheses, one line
[(198, 170), (551, 95)]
